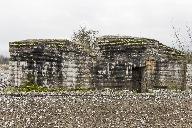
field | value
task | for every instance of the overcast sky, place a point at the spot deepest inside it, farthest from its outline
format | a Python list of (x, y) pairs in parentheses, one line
[(27, 19)]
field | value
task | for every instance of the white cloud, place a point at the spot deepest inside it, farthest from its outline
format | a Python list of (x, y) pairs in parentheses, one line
[(22, 19)]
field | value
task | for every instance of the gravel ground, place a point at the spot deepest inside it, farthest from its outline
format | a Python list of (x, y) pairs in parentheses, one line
[(96, 110)]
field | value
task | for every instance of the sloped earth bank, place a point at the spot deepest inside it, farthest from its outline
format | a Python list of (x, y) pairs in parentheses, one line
[(96, 110), (4, 75)]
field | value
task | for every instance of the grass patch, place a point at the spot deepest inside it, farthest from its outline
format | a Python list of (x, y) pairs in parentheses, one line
[(28, 87), (32, 87)]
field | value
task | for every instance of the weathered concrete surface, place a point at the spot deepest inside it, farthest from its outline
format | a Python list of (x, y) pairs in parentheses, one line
[(49, 62), (96, 110)]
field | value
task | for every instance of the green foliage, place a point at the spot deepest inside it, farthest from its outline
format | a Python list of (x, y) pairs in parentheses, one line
[(87, 39), (57, 89), (81, 89), (10, 89), (31, 87), (27, 87)]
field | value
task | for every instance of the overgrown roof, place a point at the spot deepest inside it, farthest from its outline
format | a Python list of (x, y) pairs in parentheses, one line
[(125, 40), (53, 43), (40, 41), (130, 41)]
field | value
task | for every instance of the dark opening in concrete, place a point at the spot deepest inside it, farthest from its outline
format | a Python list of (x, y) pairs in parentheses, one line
[(137, 75)]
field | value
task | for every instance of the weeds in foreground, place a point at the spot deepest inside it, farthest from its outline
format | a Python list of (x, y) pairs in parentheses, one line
[(32, 87)]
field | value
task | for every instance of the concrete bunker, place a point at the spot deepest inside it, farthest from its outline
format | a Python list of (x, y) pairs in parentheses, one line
[(132, 63)]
